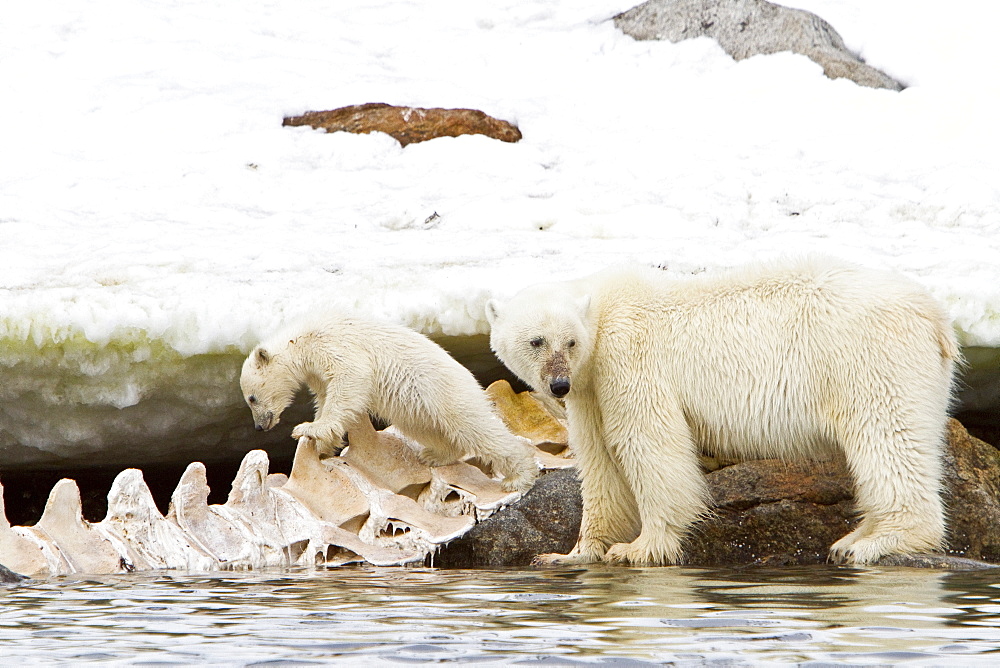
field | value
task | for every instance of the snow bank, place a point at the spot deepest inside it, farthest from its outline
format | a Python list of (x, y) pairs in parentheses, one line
[(156, 220)]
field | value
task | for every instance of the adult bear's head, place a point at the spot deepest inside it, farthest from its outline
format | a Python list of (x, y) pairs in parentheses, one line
[(543, 335)]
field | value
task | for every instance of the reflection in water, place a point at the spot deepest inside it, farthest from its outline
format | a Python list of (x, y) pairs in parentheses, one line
[(824, 614)]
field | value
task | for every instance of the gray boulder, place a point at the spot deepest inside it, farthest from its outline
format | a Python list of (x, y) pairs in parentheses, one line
[(745, 28), (546, 519), (8, 576)]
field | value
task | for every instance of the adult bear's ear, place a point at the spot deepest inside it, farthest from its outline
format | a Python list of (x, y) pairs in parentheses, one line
[(262, 357), (492, 311)]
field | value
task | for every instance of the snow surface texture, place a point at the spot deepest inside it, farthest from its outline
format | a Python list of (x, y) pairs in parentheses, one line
[(156, 219)]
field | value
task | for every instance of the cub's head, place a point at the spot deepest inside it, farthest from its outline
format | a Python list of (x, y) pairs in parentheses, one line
[(267, 387), (542, 335)]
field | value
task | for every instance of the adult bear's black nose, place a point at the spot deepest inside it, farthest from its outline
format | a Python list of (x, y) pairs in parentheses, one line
[(559, 387), (258, 427)]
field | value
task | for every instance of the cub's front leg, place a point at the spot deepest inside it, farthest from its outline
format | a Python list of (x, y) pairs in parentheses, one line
[(328, 436), (340, 402)]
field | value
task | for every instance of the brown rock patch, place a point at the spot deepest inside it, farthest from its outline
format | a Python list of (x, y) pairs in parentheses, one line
[(407, 125)]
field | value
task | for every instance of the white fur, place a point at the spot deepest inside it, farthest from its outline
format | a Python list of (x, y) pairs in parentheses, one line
[(354, 367), (783, 360)]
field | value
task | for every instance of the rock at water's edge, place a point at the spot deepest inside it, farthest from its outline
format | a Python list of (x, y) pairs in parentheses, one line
[(8, 576), (972, 495), (767, 513), (546, 519)]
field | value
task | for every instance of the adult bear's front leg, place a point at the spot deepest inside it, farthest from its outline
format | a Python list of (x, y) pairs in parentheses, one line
[(659, 461), (585, 552), (610, 514)]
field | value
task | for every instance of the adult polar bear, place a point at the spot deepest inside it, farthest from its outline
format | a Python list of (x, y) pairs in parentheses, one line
[(786, 359)]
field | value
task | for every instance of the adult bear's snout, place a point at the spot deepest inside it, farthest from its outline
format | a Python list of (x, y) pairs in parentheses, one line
[(559, 387)]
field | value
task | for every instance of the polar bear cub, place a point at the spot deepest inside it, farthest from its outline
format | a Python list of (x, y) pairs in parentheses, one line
[(788, 359), (353, 367)]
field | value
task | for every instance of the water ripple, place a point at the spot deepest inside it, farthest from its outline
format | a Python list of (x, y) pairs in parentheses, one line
[(573, 616)]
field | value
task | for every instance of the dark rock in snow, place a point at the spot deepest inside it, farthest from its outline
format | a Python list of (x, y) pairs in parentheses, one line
[(745, 28)]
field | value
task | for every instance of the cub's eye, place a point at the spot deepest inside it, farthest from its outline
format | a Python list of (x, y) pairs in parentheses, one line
[(571, 343), (537, 342), (252, 399)]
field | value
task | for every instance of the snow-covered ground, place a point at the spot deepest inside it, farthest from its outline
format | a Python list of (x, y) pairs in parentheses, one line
[(156, 219)]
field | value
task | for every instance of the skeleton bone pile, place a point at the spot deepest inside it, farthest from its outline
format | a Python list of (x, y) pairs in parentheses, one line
[(374, 503)]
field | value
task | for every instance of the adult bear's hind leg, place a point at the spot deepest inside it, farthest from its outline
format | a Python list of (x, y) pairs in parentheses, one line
[(897, 472)]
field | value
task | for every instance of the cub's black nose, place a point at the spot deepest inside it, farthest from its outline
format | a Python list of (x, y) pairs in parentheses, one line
[(258, 427), (559, 387)]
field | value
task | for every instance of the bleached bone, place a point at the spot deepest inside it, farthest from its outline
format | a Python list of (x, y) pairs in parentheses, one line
[(533, 418), (387, 458), (211, 531), (549, 461), (283, 527), (341, 509), (311, 483), (151, 540), (478, 493), (376, 504), (288, 531), (394, 517), (85, 549), (364, 503), (18, 553), (525, 415)]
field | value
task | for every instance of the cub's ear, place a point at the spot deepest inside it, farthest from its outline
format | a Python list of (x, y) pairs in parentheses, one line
[(492, 311), (262, 357), (583, 306)]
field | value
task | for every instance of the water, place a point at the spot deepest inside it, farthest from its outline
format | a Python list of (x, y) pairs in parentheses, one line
[(601, 615)]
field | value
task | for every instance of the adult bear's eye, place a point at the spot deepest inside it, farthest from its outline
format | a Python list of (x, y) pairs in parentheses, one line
[(252, 399), (537, 342)]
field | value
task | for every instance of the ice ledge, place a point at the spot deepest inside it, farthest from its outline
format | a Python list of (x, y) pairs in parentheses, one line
[(78, 404)]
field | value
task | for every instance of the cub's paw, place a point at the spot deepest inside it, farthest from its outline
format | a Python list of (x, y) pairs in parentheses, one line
[(325, 439), (521, 481), (434, 458), (305, 430)]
